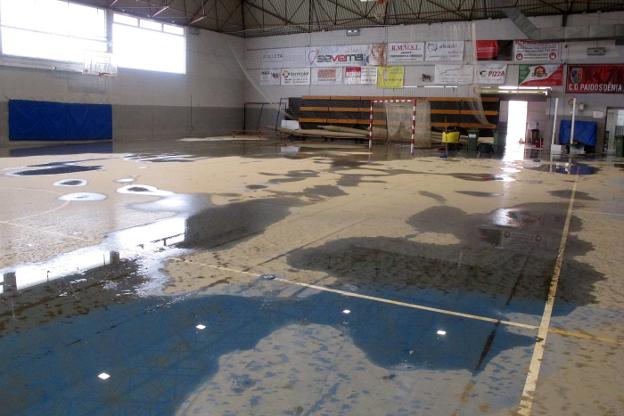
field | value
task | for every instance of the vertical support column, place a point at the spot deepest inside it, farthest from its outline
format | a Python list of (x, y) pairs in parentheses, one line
[(554, 127), (370, 126), (413, 127), (573, 120)]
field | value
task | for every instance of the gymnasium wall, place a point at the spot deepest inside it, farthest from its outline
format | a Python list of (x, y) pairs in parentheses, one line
[(207, 100), (573, 52)]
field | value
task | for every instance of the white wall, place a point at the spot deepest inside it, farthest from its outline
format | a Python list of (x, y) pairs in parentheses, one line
[(213, 84)]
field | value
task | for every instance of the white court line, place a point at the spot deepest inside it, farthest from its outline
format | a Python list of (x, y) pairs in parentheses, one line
[(558, 331), (383, 300), (37, 214), (530, 385), (409, 305)]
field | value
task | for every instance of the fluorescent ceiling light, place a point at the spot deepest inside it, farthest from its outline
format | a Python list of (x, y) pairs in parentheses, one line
[(198, 19), (162, 9)]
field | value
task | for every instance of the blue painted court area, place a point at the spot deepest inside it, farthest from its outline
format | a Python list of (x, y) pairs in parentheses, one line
[(156, 357)]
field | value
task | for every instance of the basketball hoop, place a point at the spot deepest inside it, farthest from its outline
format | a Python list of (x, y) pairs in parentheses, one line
[(99, 64)]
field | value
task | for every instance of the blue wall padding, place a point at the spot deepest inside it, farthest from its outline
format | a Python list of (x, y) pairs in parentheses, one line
[(584, 132), (49, 121)]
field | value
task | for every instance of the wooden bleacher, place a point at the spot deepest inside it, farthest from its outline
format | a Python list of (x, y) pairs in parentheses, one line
[(354, 110)]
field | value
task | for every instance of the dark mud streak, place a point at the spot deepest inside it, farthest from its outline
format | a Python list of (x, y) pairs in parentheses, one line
[(438, 198), (480, 194), (487, 346), (567, 194), (56, 170), (519, 278)]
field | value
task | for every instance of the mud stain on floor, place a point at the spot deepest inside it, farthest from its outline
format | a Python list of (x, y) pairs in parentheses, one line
[(438, 198), (57, 169), (567, 194), (480, 194), (495, 251)]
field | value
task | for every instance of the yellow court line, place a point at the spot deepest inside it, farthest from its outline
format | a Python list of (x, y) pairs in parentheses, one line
[(530, 385)]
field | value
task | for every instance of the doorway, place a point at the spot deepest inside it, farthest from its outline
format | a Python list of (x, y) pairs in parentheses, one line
[(614, 128), (516, 130)]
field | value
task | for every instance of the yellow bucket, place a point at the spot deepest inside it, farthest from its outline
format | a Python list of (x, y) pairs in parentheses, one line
[(450, 137)]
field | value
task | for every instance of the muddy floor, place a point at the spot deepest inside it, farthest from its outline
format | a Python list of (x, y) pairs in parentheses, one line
[(224, 277)]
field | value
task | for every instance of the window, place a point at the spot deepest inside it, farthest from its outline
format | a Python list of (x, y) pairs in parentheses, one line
[(51, 29), (149, 45)]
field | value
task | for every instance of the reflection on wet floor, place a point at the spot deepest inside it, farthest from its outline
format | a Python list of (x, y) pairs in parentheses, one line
[(198, 225), (568, 168), (94, 326)]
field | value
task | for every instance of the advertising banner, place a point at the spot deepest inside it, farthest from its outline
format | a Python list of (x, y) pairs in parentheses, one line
[(444, 51), (296, 76), (601, 79), (326, 76), (532, 50), (352, 75), (276, 58), (494, 50), (347, 55), (270, 77), (369, 75), (454, 74), (540, 75), (390, 76), (491, 73), (406, 52)]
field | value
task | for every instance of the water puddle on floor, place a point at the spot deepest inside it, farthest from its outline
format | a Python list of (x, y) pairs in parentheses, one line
[(197, 224), (71, 182), (143, 190), (59, 168), (83, 196), (567, 168)]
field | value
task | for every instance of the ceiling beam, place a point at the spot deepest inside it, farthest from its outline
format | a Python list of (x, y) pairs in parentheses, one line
[(275, 15), (447, 9)]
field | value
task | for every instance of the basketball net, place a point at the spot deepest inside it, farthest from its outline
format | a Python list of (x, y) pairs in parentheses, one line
[(379, 10)]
